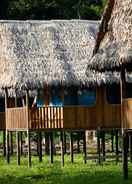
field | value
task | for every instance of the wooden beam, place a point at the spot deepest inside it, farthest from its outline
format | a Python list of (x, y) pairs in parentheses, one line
[(18, 147), (117, 145), (62, 148), (29, 148), (125, 155), (98, 147), (64, 142), (51, 147), (40, 146), (7, 147), (103, 145), (4, 143), (71, 147), (112, 141), (21, 143), (130, 141), (11, 142), (84, 147), (78, 142)]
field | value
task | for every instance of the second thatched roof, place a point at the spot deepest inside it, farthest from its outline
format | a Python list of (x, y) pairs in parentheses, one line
[(114, 41)]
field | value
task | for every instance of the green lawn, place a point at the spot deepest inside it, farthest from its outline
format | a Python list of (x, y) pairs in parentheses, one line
[(77, 173)]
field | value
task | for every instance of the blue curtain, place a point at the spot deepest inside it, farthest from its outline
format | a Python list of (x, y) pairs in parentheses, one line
[(86, 97), (70, 96), (56, 97), (113, 94)]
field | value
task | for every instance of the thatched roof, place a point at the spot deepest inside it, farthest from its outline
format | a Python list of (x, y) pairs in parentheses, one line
[(114, 41), (35, 53)]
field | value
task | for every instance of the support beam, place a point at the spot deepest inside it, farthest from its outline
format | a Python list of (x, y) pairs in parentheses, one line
[(51, 147), (103, 145), (130, 148), (4, 143), (40, 146), (7, 147), (78, 142), (125, 155), (21, 143), (71, 146), (84, 147), (64, 142), (112, 141), (117, 146), (18, 147), (11, 142), (98, 147), (29, 148), (62, 148)]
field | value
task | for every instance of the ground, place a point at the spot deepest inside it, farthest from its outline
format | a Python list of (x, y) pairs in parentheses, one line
[(76, 173)]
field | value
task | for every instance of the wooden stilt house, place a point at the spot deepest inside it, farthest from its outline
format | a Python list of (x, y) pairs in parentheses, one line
[(52, 57)]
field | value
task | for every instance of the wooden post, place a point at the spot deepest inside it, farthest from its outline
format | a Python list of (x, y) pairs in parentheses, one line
[(40, 146), (130, 141), (21, 143), (64, 142), (84, 147), (4, 143), (112, 141), (71, 146), (7, 133), (78, 142), (62, 148), (29, 148), (46, 143), (18, 147), (125, 155), (51, 147), (7, 147), (98, 146), (11, 142), (103, 145), (117, 144)]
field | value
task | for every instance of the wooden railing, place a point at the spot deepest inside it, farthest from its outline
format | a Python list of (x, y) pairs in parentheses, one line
[(17, 118), (67, 117), (46, 117)]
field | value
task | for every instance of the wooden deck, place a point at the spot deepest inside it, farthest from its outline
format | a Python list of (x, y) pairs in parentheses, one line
[(68, 117)]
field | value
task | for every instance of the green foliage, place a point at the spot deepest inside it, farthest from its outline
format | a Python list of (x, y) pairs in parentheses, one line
[(51, 9)]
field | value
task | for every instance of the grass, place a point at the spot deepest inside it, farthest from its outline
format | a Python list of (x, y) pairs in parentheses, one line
[(77, 173)]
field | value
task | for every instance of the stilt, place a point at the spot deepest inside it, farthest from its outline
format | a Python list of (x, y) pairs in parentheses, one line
[(4, 143), (112, 141), (21, 143), (71, 146), (18, 147), (7, 147), (64, 142), (11, 143), (29, 149), (78, 142), (40, 146), (46, 143), (103, 145), (98, 147), (125, 155), (117, 148), (130, 141), (84, 147), (62, 148), (51, 147)]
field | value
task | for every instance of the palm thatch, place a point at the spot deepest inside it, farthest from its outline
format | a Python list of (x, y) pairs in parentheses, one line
[(35, 53), (114, 41)]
